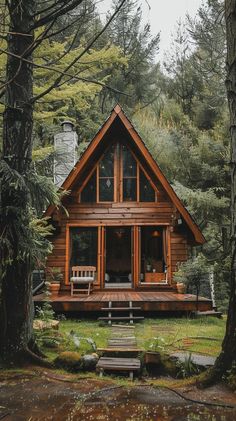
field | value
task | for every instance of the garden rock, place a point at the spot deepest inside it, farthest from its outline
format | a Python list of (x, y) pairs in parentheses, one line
[(89, 361), (201, 361), (43, 324)]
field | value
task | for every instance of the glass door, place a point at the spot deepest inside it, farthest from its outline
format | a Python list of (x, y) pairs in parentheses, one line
[(118, 258)]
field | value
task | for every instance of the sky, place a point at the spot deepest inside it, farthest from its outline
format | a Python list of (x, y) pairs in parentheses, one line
[(163, 15)]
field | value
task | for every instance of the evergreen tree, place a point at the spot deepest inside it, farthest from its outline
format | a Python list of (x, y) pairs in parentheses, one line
[(225, 363), (137, 78), (21, 189)]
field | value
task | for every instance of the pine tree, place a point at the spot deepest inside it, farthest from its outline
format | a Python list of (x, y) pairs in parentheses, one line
[(21, 189)]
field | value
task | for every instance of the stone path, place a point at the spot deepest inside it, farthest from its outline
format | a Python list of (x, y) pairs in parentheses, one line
[(198, 359)]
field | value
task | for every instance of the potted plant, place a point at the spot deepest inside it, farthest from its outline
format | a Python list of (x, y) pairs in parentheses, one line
[(148, 264), (54, 281), (191, 275), (181, 287), (155, 350)]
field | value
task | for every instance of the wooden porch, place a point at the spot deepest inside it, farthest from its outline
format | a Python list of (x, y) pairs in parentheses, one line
[(148, 301)]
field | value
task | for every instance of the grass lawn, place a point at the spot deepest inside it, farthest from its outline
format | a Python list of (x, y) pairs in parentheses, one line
[(175, 334), (168, 335)]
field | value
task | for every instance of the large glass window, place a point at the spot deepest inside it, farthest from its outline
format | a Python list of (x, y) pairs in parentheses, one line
[(89, 192), (129, 175), (153, 254), (106, 177), (83, 246), (147, 193)]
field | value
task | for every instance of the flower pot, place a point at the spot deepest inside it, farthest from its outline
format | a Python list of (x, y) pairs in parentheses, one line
[(54, 288), (180, 288), (152, 357)]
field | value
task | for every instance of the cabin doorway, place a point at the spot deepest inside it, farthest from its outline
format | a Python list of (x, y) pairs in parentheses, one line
[(118, 257)]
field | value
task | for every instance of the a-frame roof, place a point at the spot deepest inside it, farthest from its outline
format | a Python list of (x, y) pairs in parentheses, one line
[(118, 113)]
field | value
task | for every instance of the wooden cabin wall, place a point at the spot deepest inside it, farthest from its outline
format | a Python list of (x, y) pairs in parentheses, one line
[(57, 258), (162, 212), (117, 214), (179, 250)]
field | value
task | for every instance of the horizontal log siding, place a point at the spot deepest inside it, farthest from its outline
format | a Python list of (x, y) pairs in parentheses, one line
[(116, 214), (179, 250)]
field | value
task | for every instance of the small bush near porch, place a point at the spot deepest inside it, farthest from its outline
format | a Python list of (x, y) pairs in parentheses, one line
[(162, 335)]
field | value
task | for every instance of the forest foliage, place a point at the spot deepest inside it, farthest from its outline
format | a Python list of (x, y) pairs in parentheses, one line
[(179, 107)]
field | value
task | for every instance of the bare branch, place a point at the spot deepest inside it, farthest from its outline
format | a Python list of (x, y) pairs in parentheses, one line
[(40, 12), (71, 4), (92, 42)]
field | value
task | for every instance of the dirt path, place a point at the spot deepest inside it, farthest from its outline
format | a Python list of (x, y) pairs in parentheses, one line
[(45, 396)]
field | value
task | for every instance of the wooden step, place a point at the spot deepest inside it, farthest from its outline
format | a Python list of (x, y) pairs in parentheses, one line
[(118, 364), (123, 327), (119, 349), (122, 318), (122, 344), (122, 338), (210, 313), (120, 308)]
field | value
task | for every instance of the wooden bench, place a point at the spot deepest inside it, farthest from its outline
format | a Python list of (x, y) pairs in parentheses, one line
[(118, 364), (82, 275)]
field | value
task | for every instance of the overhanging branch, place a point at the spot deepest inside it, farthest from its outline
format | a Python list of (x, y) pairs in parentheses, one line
[(56, 13), (62, 74), (90, 44)]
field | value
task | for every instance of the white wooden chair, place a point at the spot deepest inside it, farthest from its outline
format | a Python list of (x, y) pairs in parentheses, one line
[(82, 275)]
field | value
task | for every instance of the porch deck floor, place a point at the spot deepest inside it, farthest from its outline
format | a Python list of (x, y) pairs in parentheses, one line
[(148, 301)]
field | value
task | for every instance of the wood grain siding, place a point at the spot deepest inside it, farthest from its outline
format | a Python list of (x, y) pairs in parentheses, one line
[(113, 214), (179, 250)]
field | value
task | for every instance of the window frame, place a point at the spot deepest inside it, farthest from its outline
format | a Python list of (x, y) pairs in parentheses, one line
[(118, 177)]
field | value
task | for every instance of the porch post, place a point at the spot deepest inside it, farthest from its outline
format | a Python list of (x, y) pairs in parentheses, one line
[(135, 255), (169, 267), (103, 257), (67, 263)]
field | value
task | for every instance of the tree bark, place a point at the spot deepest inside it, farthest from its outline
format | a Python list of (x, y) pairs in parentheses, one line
[(16, 305), (15, 286)]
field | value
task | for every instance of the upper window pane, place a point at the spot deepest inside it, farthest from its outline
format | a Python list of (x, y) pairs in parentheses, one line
[(106, 166), (147, 193), (89, 192), (129, 163), (130, 189), (106, 189)]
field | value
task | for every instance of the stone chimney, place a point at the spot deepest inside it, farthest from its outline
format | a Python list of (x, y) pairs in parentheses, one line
[(65, 144)]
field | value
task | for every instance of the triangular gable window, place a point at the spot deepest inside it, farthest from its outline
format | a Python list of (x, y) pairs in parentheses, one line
[(118, 171), (129, 165), (89, 192), (147, 192), (106, 176)]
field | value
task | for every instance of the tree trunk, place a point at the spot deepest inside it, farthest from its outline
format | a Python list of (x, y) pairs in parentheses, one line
[(227, 357), (15, 286)]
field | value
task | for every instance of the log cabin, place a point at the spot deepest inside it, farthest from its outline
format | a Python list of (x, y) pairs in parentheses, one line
[(124, 218)]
